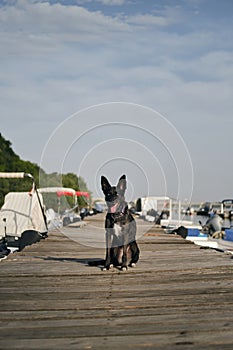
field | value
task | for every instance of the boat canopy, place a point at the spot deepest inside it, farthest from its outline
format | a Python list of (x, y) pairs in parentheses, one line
[(64, 191), (58, 190), (16, 175)]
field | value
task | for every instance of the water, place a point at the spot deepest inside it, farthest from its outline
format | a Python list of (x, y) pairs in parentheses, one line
[(196, 218)]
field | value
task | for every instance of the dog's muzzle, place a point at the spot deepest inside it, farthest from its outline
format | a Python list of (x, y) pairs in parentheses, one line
[(116, 208)]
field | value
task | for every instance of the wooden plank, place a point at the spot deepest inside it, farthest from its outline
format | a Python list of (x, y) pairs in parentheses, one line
[(179, 296)]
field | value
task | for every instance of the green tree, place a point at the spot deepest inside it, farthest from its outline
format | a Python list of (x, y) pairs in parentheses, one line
[(77, 183), (11, 162)]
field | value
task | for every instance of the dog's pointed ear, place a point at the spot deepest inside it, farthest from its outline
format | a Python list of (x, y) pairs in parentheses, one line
[(105, 184), (121, 186)]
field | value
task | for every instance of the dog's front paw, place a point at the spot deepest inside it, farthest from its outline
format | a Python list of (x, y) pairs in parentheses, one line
[(132, 265), (124, 268), (107, 267)]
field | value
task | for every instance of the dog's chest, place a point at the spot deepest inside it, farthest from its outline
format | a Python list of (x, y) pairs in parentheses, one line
[(117, 230)]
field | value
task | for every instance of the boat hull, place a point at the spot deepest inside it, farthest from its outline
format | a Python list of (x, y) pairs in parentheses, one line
[(204, 240), (27, 238)]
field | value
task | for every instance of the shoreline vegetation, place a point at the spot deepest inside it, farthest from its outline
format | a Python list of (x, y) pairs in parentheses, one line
[(11, 162)]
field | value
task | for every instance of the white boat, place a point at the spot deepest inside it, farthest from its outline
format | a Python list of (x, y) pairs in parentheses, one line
[(226, 210), (61, 217), (224, 244), (170, 224), (154, 208), (22, 218)]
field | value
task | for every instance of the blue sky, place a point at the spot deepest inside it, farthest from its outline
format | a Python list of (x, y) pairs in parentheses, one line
[(174, 57)]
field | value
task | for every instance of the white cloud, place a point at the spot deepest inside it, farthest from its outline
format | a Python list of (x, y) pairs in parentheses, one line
[(112, 2), (44, 19), (104, 2), (147, 20)]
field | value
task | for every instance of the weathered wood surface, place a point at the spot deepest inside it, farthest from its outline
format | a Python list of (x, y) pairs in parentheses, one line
[(178, 297)]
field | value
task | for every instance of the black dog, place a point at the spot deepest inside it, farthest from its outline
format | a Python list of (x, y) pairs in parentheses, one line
[(120, 227)]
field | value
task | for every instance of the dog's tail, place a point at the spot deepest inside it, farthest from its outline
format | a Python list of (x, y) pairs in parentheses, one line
[(97, 262)]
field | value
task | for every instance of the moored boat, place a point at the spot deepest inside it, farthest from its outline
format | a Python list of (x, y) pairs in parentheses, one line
[(22, 218), (223, 241), (212, 234), (204, 209)]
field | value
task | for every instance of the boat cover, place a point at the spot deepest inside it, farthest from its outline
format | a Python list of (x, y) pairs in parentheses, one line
[(156, 203), (21, 212)]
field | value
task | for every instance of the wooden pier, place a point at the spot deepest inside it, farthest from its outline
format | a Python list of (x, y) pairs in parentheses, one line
[(178, 297)]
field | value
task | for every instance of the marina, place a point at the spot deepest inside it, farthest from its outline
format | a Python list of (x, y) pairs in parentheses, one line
[(116, 204), (178, 297)]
